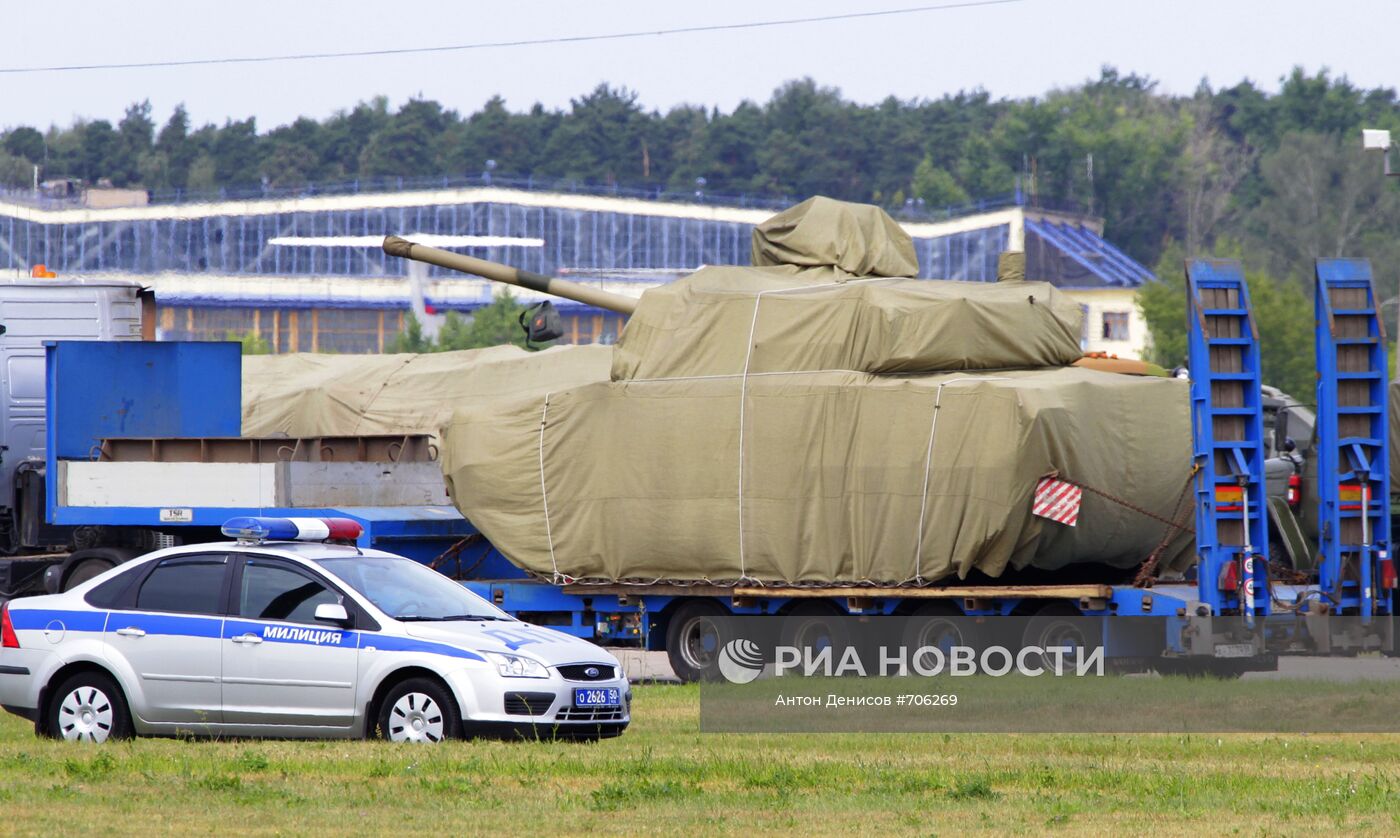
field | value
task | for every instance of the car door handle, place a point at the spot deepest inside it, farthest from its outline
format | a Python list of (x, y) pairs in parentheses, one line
[(246, 638), (131, 631)]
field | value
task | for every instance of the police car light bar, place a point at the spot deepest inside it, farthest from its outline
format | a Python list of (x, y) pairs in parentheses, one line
[(251, 528)]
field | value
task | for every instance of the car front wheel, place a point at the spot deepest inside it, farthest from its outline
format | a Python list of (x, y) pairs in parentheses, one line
[(419, 710)]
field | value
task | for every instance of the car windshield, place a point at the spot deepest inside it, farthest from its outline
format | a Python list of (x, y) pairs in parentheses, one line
[(409, 591)]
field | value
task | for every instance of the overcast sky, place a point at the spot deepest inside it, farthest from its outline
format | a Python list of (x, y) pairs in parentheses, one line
[(1018, 49)]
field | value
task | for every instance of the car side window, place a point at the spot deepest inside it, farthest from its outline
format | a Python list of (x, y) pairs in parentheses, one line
[(113, 592), (186, 585), (271, 591)]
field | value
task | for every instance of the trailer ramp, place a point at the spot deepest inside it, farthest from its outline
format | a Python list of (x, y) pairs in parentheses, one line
[(1227, 430), (1353, 446)]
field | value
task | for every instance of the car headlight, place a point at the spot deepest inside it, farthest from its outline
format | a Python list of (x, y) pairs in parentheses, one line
[(516, 666)]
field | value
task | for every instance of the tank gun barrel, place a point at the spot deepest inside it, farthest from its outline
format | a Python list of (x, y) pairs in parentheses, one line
[(497, 272)]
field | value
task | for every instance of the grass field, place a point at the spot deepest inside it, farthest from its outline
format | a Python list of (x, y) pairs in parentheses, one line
[(664, 775)]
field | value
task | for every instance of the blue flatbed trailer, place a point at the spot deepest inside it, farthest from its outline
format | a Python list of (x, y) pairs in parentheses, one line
[(193, 390)]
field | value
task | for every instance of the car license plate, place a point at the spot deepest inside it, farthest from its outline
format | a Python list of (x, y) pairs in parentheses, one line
[(609, 697), (1234, 650)]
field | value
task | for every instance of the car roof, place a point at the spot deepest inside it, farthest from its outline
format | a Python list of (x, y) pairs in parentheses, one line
[(308, 550)]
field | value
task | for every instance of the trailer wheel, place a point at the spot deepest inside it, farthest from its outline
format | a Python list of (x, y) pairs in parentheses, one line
[(694, 638), (814, 626), (1061, 625), (938, 625)]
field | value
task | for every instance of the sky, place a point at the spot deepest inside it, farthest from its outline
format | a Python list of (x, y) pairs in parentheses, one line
[(1015, 50)]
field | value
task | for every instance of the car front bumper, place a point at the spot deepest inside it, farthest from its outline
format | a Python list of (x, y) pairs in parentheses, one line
[(538, 706), (529, 730)]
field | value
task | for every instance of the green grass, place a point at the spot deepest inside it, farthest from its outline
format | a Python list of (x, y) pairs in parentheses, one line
[(1042, 704), (665, 776)]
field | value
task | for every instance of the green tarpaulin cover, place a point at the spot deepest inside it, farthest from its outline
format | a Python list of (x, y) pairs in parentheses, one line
[(818, 418)]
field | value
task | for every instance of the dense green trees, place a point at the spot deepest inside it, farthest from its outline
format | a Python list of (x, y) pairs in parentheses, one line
[(1156, 167), (1283, 311), (1279, 176), (492, 325)]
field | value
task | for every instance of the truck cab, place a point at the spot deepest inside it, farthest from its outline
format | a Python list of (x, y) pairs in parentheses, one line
[(34, 310), (1290, 477)]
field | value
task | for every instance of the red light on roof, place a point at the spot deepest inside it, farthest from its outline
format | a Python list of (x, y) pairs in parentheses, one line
[(343, 529)]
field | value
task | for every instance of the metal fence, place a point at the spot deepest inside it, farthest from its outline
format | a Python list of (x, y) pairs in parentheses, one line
[(911, 210), (343, 331), (553, 240)]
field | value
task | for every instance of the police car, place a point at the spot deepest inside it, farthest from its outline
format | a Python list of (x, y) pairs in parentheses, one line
[(283, 634)]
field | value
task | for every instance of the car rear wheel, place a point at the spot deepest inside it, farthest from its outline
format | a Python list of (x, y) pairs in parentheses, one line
[(88, 707), (421, 711)]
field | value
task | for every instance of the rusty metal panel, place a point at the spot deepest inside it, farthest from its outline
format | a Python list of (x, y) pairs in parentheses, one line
[(385, 448)]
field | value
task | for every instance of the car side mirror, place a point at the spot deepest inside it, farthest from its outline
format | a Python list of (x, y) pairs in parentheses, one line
[(332, 612)]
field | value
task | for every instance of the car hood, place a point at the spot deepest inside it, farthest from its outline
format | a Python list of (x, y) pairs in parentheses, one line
[(547, 646)]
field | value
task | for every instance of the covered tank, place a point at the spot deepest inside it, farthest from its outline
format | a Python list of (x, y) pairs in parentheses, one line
[(821, 417), (313, 394)]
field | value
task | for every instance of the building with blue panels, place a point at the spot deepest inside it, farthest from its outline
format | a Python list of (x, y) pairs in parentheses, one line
[(305, 272)]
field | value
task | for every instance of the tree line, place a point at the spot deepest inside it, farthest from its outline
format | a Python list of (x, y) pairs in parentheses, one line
[(1277, 178)]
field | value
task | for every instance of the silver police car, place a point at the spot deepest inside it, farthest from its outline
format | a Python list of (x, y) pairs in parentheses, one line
[(287, 638)]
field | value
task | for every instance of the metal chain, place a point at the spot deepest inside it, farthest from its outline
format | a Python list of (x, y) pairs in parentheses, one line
[(1285, 574), (455, 552), (1134, 507), (1174, 523), (1149, 566)]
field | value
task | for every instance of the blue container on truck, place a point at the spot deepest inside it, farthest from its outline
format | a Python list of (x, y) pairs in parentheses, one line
[(177, 406)]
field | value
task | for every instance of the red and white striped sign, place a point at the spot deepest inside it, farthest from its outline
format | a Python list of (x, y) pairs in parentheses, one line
[(1057, 500)]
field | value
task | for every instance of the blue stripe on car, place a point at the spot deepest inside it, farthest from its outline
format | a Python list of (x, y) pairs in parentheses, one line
[(167, 624), (406, 644), (199, 626), (24, 619), (305, 635)]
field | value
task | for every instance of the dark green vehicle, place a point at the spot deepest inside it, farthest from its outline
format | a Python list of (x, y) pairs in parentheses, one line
[(1290, 480)]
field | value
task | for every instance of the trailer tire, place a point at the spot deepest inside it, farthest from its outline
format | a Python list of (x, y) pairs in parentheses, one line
[(812, 625), (942, 625), (694, 637), (87, 564), (1058, 625)]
